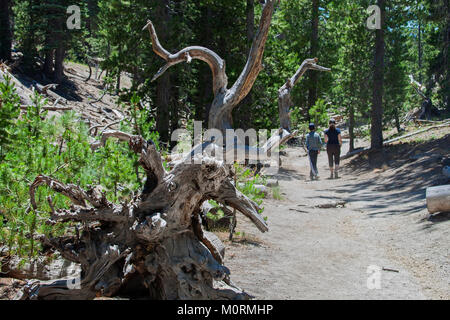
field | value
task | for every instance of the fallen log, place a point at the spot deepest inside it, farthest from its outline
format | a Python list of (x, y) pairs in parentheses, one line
[(416, 133), (46, 91), (40, 268), (438, 199), (49, 108)]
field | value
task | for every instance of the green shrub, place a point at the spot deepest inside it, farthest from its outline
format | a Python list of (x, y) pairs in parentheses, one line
[(9, 111)]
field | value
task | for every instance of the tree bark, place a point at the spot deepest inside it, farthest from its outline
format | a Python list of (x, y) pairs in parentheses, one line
[(163, 93), (59, 62), (419, 39), (208, 89), (245, 106), (250, 20), (5, 30), (351, 127), (377, 102), (48, 62)]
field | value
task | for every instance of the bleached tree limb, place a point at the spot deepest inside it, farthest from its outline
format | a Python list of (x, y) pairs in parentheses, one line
[(225, 100), (216, 63), (284, 93)]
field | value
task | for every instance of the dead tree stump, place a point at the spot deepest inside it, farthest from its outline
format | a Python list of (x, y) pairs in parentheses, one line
[(152, 247)]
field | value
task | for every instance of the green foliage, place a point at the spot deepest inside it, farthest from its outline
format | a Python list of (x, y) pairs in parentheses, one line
[(276, 193), (9, 111), (57, 147), (219, 214), (246, 179), (319, 113)]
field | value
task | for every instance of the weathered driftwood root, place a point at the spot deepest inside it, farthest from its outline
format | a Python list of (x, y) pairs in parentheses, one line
[(152, 247)]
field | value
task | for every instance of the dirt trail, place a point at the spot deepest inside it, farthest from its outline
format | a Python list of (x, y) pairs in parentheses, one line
[(315, 253)]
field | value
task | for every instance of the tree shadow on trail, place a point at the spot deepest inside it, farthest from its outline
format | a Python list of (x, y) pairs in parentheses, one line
[(287, 175), (399, 188), (430, 222)]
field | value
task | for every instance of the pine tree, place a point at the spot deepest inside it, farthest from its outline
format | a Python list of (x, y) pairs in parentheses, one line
[(376, 141), (9, 111), (5, 30)]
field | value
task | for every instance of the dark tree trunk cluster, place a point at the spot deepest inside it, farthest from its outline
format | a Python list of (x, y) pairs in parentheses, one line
[(5, 30)]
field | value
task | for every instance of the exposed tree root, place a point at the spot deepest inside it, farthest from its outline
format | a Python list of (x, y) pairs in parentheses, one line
[(152, 247)]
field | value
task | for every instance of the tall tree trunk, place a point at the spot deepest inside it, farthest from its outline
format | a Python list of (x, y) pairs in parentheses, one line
[(446, 54), (5, 30), (92, 12), (60, 51), (162, 107), (48, 63), (312, 94), (118, 81), (397, 119), (246, 104), (419, 38), (351, 126), (59, 62), (377, 102), (164, 84), (250, 21)]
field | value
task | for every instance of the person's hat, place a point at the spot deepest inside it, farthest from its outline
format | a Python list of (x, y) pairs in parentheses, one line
[(332, 121), (312, 126)]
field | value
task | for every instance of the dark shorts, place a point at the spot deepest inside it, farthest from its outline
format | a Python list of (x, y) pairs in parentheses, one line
[(334, 154)]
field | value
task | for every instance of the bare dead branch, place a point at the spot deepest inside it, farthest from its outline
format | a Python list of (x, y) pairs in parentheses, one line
[(230, 196), (77, 195), (216, 63), (284, 93), (73, 192)]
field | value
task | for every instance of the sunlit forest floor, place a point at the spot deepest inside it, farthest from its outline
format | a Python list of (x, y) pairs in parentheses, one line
[(380, 221)]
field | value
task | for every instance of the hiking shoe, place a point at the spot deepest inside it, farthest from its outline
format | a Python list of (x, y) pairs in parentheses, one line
[(336, 175), (331, 176)]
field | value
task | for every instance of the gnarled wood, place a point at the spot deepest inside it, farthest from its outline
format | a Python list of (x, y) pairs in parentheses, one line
[(284, 93), (216, 63), (153, 246)]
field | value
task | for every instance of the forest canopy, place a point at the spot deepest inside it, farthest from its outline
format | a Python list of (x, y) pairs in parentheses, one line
[(416, 39)]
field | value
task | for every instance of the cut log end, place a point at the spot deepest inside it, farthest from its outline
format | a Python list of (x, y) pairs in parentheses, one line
[(438, 199)]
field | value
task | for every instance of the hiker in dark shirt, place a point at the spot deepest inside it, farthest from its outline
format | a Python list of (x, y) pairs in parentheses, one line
[(333, 139)]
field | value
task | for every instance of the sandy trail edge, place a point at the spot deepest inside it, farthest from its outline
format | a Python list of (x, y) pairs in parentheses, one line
[(312, 253)]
